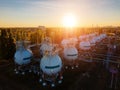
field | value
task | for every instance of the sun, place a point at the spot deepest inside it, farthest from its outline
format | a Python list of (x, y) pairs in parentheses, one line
[(69, 20)]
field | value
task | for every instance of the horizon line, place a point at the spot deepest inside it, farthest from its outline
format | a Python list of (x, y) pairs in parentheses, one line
[(60, 26)]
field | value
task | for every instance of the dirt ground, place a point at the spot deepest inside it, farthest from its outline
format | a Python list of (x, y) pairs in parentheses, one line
[(89, 76)]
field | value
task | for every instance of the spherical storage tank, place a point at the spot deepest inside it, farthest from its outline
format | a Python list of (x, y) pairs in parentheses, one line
[(45, 47), (93, 41), (22, 57), (85, 45), (70, 53), (51, 64), (64, 42)]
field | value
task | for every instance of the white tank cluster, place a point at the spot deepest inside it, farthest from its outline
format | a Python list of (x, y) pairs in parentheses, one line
[(88, 43), (70, 52), (22, 57), (90, 40), (50, 64)]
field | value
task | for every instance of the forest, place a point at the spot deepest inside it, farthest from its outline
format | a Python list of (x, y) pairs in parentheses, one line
[(9, 36)]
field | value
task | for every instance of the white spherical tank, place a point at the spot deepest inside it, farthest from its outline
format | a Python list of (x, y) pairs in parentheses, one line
[(103, 36), (22, 57), (70, 53), (51, 64), (45, 47), (98, 39), (64, 42), (93, 41), (85, 45), (82, 37)]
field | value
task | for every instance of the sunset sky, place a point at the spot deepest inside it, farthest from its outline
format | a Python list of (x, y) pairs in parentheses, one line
[(49, 13)]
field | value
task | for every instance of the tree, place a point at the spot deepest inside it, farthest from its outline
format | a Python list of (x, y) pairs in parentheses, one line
[(11, 47), (0, 45), (3, 40), (7, 45)]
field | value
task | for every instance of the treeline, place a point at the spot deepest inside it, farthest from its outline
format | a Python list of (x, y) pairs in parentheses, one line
[(7, 44), (9, 36)]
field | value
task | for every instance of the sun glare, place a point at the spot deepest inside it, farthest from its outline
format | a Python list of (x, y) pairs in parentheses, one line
[(69, 20)]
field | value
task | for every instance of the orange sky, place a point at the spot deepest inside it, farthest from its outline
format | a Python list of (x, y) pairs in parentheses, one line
[(49, 13)]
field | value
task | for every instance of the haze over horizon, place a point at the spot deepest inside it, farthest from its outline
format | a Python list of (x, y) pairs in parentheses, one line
[(49, 13)]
